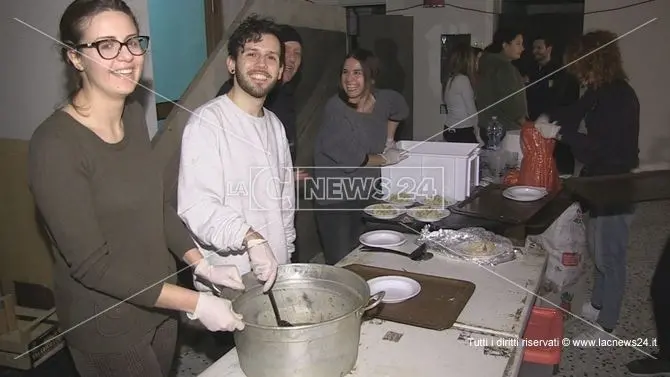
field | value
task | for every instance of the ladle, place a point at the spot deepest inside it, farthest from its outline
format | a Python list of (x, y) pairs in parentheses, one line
[(280, 322)]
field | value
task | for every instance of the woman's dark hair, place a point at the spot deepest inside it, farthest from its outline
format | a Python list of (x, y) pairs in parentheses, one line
[(74, 21), (597, 65), (370, 65), (502, 36), (476, 51), (252, 29)]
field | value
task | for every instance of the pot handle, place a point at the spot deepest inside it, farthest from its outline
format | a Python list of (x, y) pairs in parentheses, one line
[(374, 300)]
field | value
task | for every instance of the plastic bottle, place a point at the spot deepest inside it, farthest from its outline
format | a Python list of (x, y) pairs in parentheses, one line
[(494, 132)]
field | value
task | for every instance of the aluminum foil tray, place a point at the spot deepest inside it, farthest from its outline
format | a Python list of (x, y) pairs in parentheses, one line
[(470, 244)]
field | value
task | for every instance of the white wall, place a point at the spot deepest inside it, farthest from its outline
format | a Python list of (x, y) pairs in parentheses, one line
[(429, 24), (33, 75), (646, 58)]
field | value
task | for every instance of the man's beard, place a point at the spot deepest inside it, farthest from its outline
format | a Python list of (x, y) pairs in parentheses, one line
[(248, 86)]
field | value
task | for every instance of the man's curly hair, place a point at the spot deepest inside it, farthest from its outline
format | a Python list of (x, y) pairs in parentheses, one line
[(596, 68), (252, 29)]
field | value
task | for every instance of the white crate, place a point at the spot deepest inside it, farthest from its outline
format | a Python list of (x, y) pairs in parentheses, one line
[(451, 169)]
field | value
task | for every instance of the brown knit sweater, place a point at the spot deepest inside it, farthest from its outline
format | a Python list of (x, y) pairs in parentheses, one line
[(103, 206)]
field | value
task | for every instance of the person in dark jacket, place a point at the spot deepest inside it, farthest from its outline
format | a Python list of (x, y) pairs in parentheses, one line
[(549, 89), (611, 112), (281, 100), (497, 79)]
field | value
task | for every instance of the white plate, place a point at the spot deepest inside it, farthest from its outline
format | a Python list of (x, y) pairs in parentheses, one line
[(390, 211), (382, 238), (525, 193), (436, 213), (397, 288)]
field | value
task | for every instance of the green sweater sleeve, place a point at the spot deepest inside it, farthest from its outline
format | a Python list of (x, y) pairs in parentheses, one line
[(513, 108), (499, 93), (177, 237)]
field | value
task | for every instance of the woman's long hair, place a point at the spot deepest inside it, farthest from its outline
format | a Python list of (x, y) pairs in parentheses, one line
[(597, 65), (462, 62)]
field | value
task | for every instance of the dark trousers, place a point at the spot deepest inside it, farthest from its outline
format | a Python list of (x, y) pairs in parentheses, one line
[(459, 135), (339, 227), (661, 301), (151, 357), (565, 161)]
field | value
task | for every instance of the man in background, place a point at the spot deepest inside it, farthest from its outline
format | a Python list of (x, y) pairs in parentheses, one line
[(548, 93)]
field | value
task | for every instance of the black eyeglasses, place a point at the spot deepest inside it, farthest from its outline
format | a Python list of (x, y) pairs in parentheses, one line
[(111, 48)]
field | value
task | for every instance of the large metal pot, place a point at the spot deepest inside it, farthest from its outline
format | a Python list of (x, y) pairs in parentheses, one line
[(325, 303)]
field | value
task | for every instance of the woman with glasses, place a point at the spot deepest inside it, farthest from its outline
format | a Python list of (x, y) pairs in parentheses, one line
[(101, 199)]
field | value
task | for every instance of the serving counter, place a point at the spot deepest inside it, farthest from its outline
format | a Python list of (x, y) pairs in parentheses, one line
[(480, 343)]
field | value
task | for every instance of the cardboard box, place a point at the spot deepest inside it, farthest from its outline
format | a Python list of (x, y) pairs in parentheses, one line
[(34, 336)]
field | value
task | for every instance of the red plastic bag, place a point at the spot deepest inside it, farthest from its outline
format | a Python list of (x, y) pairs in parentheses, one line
[(538, 166), (511, 178)]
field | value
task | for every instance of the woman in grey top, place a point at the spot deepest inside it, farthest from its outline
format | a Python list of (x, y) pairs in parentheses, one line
[(349, 150)]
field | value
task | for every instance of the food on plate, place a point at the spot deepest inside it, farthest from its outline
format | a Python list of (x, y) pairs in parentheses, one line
[(383, 210), (479, 248), (436, 201), (427, 213), (402, 197)]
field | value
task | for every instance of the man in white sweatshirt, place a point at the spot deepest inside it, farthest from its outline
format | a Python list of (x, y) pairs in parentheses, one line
[(236, 185)]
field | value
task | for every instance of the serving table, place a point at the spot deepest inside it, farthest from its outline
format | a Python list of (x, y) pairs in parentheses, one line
[(481, 342)]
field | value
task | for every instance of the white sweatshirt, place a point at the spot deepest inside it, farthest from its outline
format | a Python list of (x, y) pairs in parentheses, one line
[(236, 173), (460, 100)]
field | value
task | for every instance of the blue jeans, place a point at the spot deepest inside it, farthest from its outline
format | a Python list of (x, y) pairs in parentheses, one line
[(607, 238)]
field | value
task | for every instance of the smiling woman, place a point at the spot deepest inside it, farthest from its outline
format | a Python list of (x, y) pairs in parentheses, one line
[(98, 193), (349, 150)]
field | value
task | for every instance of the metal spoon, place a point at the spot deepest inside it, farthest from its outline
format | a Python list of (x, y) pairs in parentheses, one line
[(280, 322)]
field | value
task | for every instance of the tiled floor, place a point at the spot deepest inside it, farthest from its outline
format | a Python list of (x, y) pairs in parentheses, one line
[(649, 231)]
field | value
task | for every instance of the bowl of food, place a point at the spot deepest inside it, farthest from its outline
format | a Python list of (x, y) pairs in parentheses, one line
[(428, 214), (384, 211)]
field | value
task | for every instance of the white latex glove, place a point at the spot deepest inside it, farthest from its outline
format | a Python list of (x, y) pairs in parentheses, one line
[(220, 274), (393, 156), (543, 118), (390, 144), (263, 262), (547, 130), (216, 314)]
